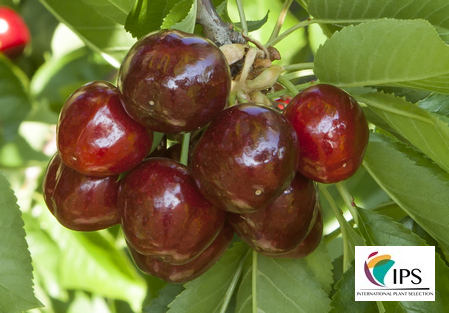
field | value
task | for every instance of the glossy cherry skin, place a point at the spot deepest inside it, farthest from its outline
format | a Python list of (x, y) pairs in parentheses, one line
[(164, 215), (283, 224), (174, 81), (95, 135), (311, 242), (332, 133), (246, 158), (14, 33), (80, 202), (179, 274)]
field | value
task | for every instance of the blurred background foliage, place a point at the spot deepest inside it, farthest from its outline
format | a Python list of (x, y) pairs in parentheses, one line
[(92, 272)]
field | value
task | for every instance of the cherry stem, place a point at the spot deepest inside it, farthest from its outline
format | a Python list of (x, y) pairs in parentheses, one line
[(299, 66), (280, 21), (308, 22), (242, 17), (349, 200), (233, 284), (277, 94), (274, 41), (185, 149), (254, 282), (288, 85), (214, 27), (350, 236), (335, 233)]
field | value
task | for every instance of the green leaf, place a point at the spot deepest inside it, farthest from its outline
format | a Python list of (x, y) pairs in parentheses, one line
[(337, 272), (165, 296), (116, 10), (435, 11), (151, 15), (402, 53), (254, 25), (414, 182), (436, 103), (425, 131), (207, 292), (100, 33), (91, 262), (319, 262), (220, 5), (14, 99), (182, 16), (380, 230), (283, 286), (343, 300), (46, 258), (392, 210), (57, 79), (16, 278)]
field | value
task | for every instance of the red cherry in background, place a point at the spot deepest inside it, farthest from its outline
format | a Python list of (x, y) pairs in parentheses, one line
[(332, 133), (14, 33), (80, 202), (246, 158), (283, 224), (174, 81), (95, 135), (177, 274), (164, 215)]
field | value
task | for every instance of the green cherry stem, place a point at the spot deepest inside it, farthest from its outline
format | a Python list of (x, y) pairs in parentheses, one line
[(334, 234), (349, 200), (254, 282), (308, 22), (280, 21), (277, 94), (242, 17), (274, 41), (185, 149), (299, 66), (350, 237), (288, 85), (233, 284)]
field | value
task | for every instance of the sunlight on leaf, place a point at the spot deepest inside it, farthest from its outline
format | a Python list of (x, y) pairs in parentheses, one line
[(100, 33), (403, 53)]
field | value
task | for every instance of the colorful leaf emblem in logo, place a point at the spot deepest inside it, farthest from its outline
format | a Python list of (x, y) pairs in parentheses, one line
[(376, 267)]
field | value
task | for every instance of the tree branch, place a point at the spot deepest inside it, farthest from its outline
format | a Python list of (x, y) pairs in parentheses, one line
[(214, 27)]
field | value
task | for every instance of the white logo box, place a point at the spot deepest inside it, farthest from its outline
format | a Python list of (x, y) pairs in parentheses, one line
[(394, 273)]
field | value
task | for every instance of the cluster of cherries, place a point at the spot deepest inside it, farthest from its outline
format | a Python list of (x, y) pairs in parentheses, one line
[(251, 171)]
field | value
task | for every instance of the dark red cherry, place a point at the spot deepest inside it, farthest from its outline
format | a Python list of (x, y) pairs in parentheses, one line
[(14, 33), (174, 81), (80, 202), (283, 224), (332, 133), (179, 274), (311, 242), (246, 158), (164, 215), (96, 136)]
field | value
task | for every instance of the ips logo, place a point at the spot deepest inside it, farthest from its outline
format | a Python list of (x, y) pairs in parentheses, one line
[(376, 267), (395, 273)]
